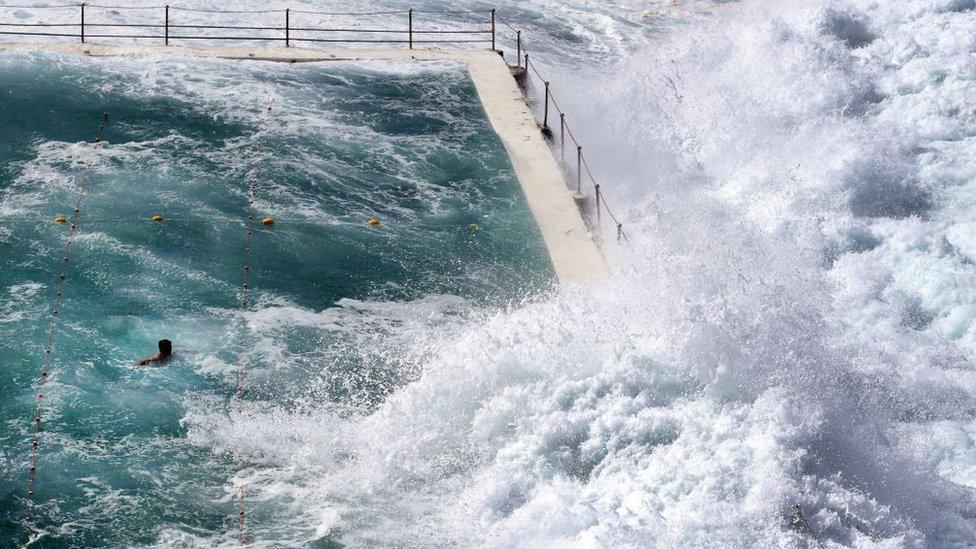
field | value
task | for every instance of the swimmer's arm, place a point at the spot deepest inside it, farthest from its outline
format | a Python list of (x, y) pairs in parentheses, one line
[(145, 361)]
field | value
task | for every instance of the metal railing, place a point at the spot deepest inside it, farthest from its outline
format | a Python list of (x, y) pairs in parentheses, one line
[(525, 70), (288, 27)]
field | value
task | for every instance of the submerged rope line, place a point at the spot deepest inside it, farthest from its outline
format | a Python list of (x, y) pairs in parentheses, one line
[(245, 305), (52, 328), (798, 518)]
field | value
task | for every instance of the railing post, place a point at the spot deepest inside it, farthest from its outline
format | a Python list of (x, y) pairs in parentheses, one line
[(562, 134), (287, 27), (545, 111), (167, 25), (527, 64), (492, 29), (579, 169), (410, 27), (596, 186), (518, 40), (82, 23)]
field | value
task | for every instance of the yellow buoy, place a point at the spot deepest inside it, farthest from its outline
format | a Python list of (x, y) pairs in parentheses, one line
[(268, 220), (474, 226), (60, 219), (374, 221), (157, 218)]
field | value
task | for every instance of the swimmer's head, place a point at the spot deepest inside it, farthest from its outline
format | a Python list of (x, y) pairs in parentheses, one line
[(165, 347)]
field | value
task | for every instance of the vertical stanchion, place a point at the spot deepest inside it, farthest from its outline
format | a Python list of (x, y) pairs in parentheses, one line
[(579, 169), (527, 68), (167, 25), (83, 23), (493, 29), (545, 111), (596, 187), (287, 27), (620, 231), (562, 134), (410, 27), (518, 42)]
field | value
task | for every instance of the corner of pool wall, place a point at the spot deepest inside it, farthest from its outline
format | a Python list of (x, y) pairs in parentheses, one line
[(574, 251)]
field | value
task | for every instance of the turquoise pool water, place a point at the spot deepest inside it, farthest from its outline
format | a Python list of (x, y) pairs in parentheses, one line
[(331, 295)]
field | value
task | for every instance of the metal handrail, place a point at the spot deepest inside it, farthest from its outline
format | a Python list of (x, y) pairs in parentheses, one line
[(406, 35), (582, 166)]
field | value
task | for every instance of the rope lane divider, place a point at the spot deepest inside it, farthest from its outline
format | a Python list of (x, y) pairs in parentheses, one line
[(83, 181), (245, 304)]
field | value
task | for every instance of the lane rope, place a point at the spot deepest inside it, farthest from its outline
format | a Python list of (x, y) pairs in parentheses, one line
[(245, 304), (83, 182)]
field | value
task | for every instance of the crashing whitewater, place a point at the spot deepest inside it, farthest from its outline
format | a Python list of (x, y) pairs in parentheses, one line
[(792, 323)]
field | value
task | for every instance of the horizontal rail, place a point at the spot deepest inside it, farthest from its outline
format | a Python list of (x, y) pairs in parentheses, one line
[(238, 27), (311, 34), (344, 13), (245, 38), (381, 41), (15, 33), (39, 25)]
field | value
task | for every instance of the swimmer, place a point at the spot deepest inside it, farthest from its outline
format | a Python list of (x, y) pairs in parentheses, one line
[(164, 354)]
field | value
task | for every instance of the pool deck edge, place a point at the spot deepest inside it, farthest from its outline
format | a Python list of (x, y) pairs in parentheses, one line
[(574, 251)]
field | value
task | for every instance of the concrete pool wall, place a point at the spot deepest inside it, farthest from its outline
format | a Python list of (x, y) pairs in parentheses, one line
[(575, 254)]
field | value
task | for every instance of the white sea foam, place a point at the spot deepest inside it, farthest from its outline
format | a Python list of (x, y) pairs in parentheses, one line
[(20, 302)]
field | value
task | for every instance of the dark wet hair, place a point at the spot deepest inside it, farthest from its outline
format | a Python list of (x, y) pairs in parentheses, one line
[(165, 347)]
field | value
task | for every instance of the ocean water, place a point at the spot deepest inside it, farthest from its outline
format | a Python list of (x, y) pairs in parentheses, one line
[(791, 324)]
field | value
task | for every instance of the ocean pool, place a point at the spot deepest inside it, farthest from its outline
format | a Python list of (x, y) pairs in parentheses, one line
[(330, 294)]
